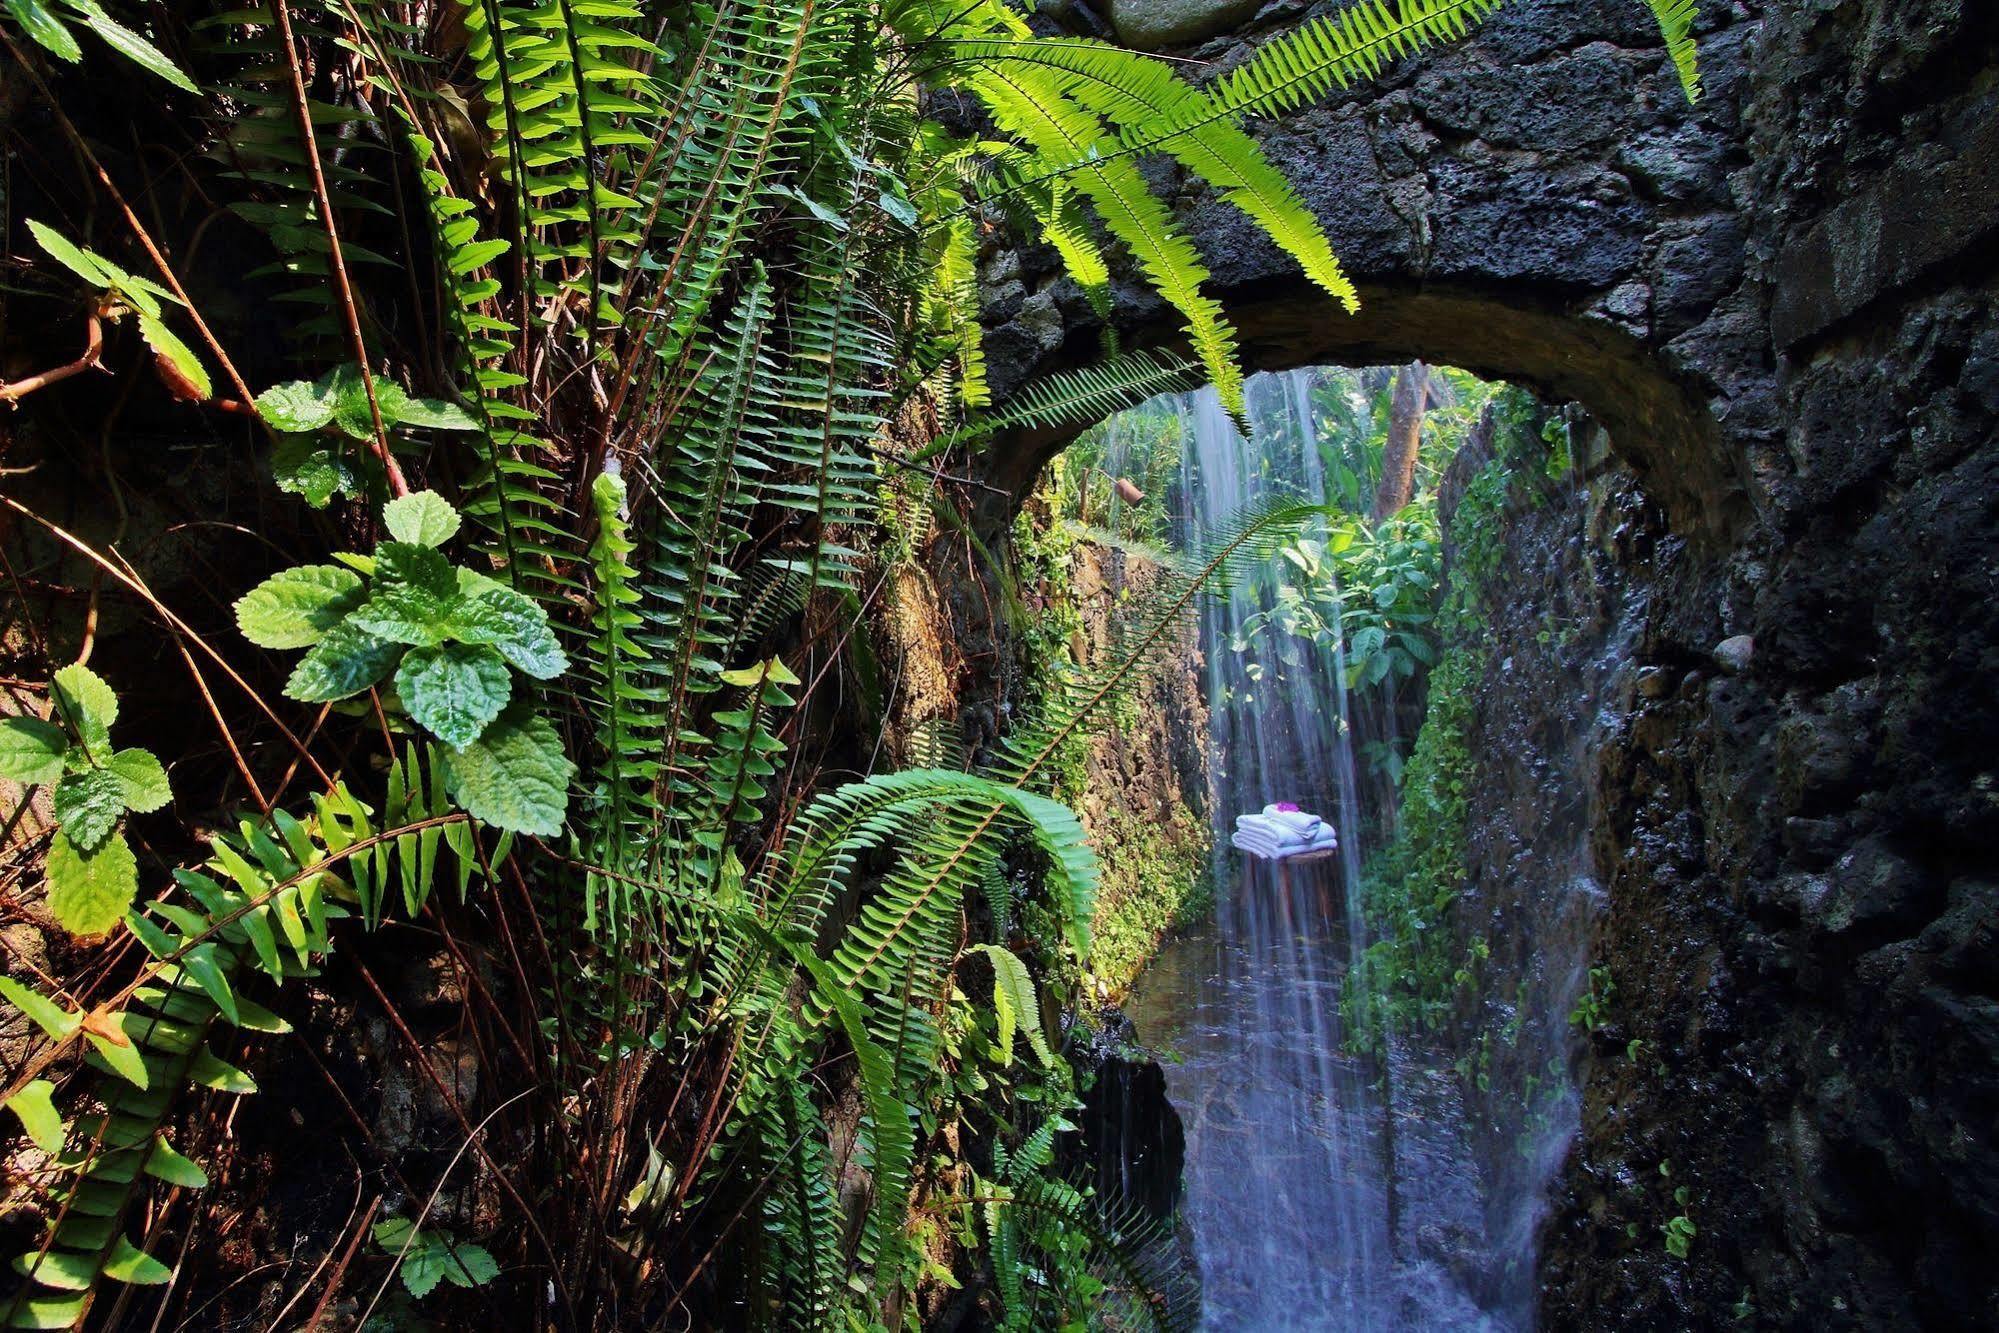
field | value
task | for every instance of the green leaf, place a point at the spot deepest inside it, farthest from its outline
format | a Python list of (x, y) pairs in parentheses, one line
[(512, 623), (455, 690), (132, 1265), (435, 413), (305, 465), (88, 705), (48, 1312), (201, 963), (401, 613), (469, 1265), (406, 564), (77, 260), (31, 750), (167, 343), (346, 392), (412, 596), (423, 1269), (515, 776), (294, 608), (131, 45), (88, 805), (90, 891), (422, 518), (142, 779), (65, 1270), (294, 406), (344, 663), (45, 28), (49, 1016), (122, 1055), (35, 1104), (164, 1163), (391, 1233), (206, 1070)]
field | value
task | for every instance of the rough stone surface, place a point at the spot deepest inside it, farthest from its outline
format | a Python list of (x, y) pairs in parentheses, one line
[(1781, 306)]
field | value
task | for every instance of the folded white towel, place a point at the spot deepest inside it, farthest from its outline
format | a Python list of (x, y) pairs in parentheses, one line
[(1265, 829), (1298, 821), (1258, 840)]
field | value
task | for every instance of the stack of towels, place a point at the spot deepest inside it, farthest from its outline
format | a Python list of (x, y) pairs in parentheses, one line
[(1283, 830)]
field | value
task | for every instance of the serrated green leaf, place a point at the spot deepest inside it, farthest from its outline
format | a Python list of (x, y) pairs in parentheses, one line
[(42, 25), (422, 518), (88, 805), (515, 776), (72, 257), (344, 663), (401, 613), (31, 750), (167, 344), (164, 1163), (142, 779), (512, 623), (295, 608), (49, 1016), (346, 392), (88, 706), (469, 1265), (295, 406), (131, 45), (35, 1104), (308, 466), (455, 690), (422, 1269), (89, 892)]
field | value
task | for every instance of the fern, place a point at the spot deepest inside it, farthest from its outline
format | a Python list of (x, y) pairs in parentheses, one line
[(1676, 19), (263, 905), (1078, 397)]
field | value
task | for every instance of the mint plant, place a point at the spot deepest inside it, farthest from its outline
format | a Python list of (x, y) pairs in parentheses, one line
[(430, 1255), (92, 873), (450, 640)]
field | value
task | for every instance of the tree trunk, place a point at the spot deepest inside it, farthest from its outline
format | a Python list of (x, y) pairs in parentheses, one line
[(1405, 434)]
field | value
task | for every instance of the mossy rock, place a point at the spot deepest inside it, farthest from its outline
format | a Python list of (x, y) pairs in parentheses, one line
[(1151, 25)]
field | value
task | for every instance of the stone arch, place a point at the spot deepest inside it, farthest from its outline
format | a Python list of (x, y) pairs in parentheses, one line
[(1536, 204)]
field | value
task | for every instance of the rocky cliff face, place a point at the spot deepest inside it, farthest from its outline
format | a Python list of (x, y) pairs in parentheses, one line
[(1782, 308)]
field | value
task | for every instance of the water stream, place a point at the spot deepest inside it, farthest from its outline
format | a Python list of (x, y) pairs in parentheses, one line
[(1324, 1190)]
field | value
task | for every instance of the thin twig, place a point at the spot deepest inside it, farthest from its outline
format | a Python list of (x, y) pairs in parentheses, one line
[(93, 351), (345, 289)]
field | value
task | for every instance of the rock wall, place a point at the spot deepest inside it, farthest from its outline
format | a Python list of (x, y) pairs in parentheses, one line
[(1782, 308)]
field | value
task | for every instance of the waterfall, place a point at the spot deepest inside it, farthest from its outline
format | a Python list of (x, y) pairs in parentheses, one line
[(1323, 1190)]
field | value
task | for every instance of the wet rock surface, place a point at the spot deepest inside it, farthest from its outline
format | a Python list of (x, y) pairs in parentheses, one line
[(1781, 306)]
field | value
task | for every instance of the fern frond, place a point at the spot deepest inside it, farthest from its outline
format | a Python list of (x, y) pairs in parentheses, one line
[(1676, 20), (1078, 397), (1032, 103), (1338, 49), (1130, 89)]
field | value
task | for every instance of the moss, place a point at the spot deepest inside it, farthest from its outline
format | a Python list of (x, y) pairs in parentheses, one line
[(1417, 968), (1156, 880)]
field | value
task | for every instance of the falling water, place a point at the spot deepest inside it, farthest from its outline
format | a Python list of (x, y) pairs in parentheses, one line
[(1317, 1182)]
